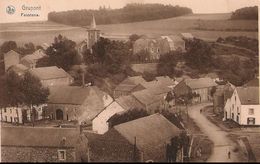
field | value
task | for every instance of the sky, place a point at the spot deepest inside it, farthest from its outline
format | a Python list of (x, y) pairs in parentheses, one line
[(46, 6)]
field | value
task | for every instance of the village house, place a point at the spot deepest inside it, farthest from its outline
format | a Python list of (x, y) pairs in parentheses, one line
[(140, 140), (223, 92), (243, 107), (151, 48), (201, 87), (22, 113), (11, 58), (129, 85), (88, 105), (31, 60), (38, 144), (129, 102), (19, 69), (52, 76)]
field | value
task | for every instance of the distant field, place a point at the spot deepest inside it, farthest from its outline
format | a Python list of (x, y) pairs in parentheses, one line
[(213, 25)]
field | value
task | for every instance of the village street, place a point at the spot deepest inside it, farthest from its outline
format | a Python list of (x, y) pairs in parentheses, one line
[(222, 144)]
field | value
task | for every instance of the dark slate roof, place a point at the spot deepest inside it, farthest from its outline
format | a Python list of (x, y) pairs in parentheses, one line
[(130, 83), (200, 83), (128, 102), (45, 73), (151, 132), (91, 99), (37, 55), (38, 137), (253, 83), (248, 95)]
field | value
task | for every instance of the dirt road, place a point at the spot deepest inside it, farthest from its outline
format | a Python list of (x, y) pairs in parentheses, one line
[(222, 144)]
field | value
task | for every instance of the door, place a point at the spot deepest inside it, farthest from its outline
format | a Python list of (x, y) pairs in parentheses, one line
[(59, 114), (251, 121)]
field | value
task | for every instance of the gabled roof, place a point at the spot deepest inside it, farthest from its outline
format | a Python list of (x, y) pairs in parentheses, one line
[(253, 83), (146, 97), (38, 54), (128, 102), (248, 95), (130, 83), (200, 83), (38, 137), (90, 99), (19, 68), (151, 132), (11, 52), (45, 73)]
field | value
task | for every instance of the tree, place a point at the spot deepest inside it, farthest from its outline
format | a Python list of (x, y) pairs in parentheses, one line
[(62, 53), (7, 46), (33, 91), (199, 54), (167, 64), (14, 95)]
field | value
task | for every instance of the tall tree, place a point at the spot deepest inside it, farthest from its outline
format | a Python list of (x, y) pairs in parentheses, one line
[(199, 54), (62, 53), (34, 92)]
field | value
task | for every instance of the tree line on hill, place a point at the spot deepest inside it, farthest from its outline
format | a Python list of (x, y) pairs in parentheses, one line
[(133, 12), (246, 13)]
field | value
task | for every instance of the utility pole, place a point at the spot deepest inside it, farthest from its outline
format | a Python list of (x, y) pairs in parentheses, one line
[(134, 152)]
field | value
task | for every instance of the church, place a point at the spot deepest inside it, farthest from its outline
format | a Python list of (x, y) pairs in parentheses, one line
[(93, 35)]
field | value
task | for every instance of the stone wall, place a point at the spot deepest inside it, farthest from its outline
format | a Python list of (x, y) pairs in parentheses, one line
[(34, 154)]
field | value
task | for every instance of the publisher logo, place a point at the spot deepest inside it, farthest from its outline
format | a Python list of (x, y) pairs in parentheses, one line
[(10, 9)]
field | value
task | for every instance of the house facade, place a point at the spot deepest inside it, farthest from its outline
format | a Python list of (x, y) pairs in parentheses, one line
[(35, 145), (243, 107), (22, 113), (11, 58), (13, 114), (151, 48), (99, 123), (31, 60), (87, 105)]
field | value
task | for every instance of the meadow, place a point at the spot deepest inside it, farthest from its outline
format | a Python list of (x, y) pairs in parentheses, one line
[(205, 26)]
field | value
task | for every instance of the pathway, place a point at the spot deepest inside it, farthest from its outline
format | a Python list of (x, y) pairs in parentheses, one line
[(222, 144)]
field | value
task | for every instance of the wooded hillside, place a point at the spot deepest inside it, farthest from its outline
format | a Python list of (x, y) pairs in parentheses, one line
[(134, 12)]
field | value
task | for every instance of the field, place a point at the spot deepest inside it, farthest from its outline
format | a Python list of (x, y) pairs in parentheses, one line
[(206, 26)]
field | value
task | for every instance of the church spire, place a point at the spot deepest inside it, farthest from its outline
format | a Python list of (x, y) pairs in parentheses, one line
[(93, 22)]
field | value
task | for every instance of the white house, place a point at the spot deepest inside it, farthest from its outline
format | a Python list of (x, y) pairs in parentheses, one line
[(20, 114), (243, 107), (99, 123)]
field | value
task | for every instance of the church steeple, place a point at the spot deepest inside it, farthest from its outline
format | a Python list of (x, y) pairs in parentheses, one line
[(93, 22)]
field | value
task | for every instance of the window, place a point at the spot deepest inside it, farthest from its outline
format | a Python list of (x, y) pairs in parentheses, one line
[(62, 155), (250, 111), (232, 106), (238, 110), (10, 110), (235, 98), (5, 110), (6, 118)]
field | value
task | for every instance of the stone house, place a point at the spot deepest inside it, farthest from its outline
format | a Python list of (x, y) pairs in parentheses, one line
[(87, 105), (11, 58), (35, 144), (243, 107), (129, 85), (31, 60), (149, 135), (201, 87), (52, 76), (21, 114)]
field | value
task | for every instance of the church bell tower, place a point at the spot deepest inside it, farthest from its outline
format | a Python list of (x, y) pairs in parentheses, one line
[(93, 34)]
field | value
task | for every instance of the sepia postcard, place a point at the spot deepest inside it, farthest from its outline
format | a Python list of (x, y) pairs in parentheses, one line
[(129, 81)]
